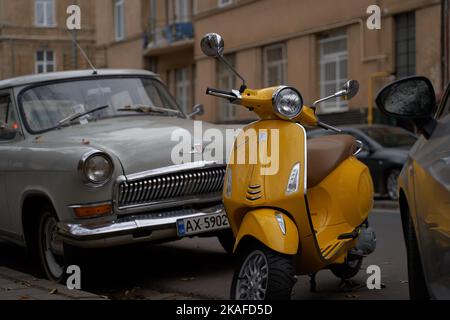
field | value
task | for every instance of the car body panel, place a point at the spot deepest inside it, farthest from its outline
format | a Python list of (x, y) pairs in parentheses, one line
[(432, 206), (47, 164), (128, 142)]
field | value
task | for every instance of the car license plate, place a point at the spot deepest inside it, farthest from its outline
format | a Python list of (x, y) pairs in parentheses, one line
[(197, 225)]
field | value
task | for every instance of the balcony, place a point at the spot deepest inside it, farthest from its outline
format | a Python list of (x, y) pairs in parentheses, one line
[(170, 38)]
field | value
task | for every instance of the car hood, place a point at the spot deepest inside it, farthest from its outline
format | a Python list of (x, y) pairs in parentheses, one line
[(139, 143)]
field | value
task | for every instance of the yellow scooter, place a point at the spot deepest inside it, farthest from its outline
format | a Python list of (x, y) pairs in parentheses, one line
[(310, 212)]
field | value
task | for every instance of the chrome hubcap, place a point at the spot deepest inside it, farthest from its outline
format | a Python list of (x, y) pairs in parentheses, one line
[(392, 185), (53, 248), (253, 277)]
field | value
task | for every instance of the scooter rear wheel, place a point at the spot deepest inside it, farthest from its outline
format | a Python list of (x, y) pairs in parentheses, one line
[(262, 274), (347, 270)]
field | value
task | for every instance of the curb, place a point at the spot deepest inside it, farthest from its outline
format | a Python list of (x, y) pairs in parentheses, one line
[(15, 285)]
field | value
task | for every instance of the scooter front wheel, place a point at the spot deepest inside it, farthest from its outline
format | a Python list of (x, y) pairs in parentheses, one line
[(262, 274)]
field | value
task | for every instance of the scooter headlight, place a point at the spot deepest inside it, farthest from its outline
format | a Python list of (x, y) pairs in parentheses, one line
[(287, 102)]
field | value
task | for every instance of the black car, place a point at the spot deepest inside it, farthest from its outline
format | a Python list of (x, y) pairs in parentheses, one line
[(385, 152)]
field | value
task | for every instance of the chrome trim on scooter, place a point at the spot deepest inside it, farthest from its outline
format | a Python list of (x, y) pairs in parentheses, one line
[(305, 161), (360, 146)]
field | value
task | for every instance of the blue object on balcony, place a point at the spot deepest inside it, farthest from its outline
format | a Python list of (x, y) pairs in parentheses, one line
[(179, 31)]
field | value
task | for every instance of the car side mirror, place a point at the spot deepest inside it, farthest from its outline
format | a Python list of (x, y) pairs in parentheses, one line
[(7, 133), (410, 98), (198, 110)]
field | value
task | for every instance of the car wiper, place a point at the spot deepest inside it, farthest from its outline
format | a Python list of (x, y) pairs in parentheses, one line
[(148, 109), (78, 115)]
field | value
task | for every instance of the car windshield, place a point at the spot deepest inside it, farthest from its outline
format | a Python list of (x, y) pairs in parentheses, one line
[(45, 107), (391, 137)]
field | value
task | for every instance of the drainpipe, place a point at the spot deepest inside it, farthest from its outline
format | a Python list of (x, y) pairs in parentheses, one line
[(372, 77), (74, 50), (445, 38), (13, 57)]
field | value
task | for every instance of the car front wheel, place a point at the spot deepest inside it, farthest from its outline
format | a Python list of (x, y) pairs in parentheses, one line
[(50, 247), (416, 279), (391, 184)]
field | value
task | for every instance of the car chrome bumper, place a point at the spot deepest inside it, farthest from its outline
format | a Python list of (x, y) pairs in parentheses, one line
[(131, 229)]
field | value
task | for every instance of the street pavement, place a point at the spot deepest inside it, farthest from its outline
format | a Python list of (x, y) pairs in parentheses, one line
[(198, 268), (15, 285)]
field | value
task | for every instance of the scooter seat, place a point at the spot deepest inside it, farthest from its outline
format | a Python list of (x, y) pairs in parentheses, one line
[(325, 154)]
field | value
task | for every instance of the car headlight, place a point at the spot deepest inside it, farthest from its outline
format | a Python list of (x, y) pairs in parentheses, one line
[(96, 168), (287, 102)]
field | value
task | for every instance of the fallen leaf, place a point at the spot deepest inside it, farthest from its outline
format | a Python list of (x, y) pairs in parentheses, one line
[(54, 291), (404, 281), (351, 296)]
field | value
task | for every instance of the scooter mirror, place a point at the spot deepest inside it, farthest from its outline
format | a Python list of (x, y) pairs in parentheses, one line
[(351, 89), (212, 45)]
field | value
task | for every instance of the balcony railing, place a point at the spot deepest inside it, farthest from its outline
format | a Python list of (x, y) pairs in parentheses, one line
[(160, 37)]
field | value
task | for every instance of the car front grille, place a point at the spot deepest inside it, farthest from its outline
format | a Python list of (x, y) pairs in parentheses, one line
[(171, 187)]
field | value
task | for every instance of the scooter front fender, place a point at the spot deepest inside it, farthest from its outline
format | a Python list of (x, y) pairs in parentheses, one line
[(263, 225)]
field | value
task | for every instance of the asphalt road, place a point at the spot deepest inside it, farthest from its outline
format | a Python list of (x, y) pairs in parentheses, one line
[(199, 269)]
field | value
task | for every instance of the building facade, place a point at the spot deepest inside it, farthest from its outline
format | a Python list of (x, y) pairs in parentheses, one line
[(152, 34), (317, 45), (34, 36), (314, 45)]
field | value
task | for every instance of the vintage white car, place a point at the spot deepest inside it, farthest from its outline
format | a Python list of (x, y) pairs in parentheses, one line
[(85, 162)]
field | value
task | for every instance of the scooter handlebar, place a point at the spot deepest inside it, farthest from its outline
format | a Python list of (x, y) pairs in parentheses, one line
[(221, 94)]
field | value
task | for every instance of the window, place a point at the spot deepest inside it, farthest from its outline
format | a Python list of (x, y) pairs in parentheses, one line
[(46, 105), (274, 65), (45, 61), (223, 3), (8, 121), (44, 13), (405, 44), (181, 11), (226, 81), (182, 88), (119, 19), (333, 69)]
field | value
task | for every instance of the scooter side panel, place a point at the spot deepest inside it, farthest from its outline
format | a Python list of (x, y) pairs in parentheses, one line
[(344, 196), (338, 205)]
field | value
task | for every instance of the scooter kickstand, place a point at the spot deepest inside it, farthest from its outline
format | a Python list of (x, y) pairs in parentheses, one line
[(312, 282)]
